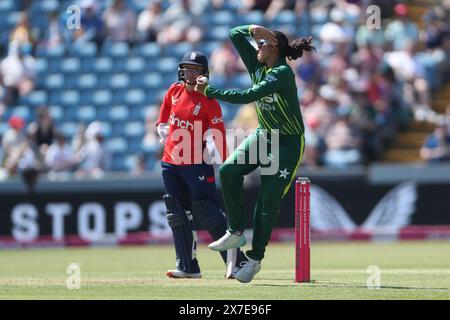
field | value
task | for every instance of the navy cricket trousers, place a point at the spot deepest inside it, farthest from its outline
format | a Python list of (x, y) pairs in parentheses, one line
[(190, 183)]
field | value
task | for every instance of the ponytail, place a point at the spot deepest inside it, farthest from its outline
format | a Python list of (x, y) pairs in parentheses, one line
[(296, 47), (293, 50)]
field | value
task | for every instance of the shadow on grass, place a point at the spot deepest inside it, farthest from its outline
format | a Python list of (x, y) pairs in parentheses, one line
[(326, 284)]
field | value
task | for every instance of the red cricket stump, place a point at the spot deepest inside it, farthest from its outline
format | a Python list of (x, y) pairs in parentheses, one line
[(302, 230)]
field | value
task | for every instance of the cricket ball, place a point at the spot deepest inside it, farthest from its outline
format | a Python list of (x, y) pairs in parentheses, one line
[(202, 80)]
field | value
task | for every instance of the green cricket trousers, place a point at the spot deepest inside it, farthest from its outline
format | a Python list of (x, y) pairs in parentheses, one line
[(273, 186)]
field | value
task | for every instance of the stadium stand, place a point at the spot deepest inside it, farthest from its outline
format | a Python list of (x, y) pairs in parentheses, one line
[(117, 83)]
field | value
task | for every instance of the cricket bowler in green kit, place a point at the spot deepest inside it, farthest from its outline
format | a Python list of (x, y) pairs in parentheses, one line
[(277, 106)]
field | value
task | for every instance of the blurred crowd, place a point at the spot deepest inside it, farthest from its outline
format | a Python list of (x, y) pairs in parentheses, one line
[(356, 91)]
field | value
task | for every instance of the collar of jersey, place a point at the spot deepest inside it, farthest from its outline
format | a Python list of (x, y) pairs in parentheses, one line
[(279, 63)]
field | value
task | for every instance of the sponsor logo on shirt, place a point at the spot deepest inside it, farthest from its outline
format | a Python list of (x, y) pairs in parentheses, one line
[(184, 124), (197, 109), (270, 78), (264, 106), (217, 120)]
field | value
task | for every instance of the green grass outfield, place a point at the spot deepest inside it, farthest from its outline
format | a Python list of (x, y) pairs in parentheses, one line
[(409, 270)]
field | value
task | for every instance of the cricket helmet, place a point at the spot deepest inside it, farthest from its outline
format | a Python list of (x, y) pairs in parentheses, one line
[(196, 58)]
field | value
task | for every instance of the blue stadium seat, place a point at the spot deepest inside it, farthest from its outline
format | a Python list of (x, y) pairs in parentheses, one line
[(252, 17), (115, 49), (71, 65), (148, 50), (287, 29), (319, 16), (285, 17), (45, 6), (56, 112), (86, 49), (86, 113), (4, 126), (119, 81), (12, 18), (304, 24), (217, 33), (178, 49), (51, 52), (103, 64), (138, 5), (134, 129), (23, 112), (54, 81), (135, 96), (167, 64), (7, 5), (222, 17), (107, 129), (34, 98), (69, 97), (149, 80), (41, 65), (68, 129), (232, 5), (130, 160), (117, 113), (87, 81), (102, 97), (135, 64), (117, 144)]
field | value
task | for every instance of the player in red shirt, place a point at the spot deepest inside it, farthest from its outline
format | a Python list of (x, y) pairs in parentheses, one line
[(191, 196)]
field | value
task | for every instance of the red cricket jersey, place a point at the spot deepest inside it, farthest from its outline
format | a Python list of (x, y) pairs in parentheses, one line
[(190, 115)]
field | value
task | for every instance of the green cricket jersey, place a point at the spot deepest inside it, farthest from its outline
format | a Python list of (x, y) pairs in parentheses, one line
[(274, 90)]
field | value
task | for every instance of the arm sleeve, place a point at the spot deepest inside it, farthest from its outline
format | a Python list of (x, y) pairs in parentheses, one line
[(238, 36), (273, 82), (215, 119), (166, 106)]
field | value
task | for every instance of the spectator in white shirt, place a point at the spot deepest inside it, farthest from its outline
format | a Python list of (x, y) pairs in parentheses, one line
[(18, 71), (95, 158), (150, 22), (120, 22), (60, 156)]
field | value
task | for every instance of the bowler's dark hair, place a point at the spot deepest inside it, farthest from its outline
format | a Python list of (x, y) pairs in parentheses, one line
[(293, 50)]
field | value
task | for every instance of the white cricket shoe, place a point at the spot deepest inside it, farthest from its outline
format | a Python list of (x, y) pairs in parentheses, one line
[(236, 270), (182, 275), (248, 271), (228, 241)]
